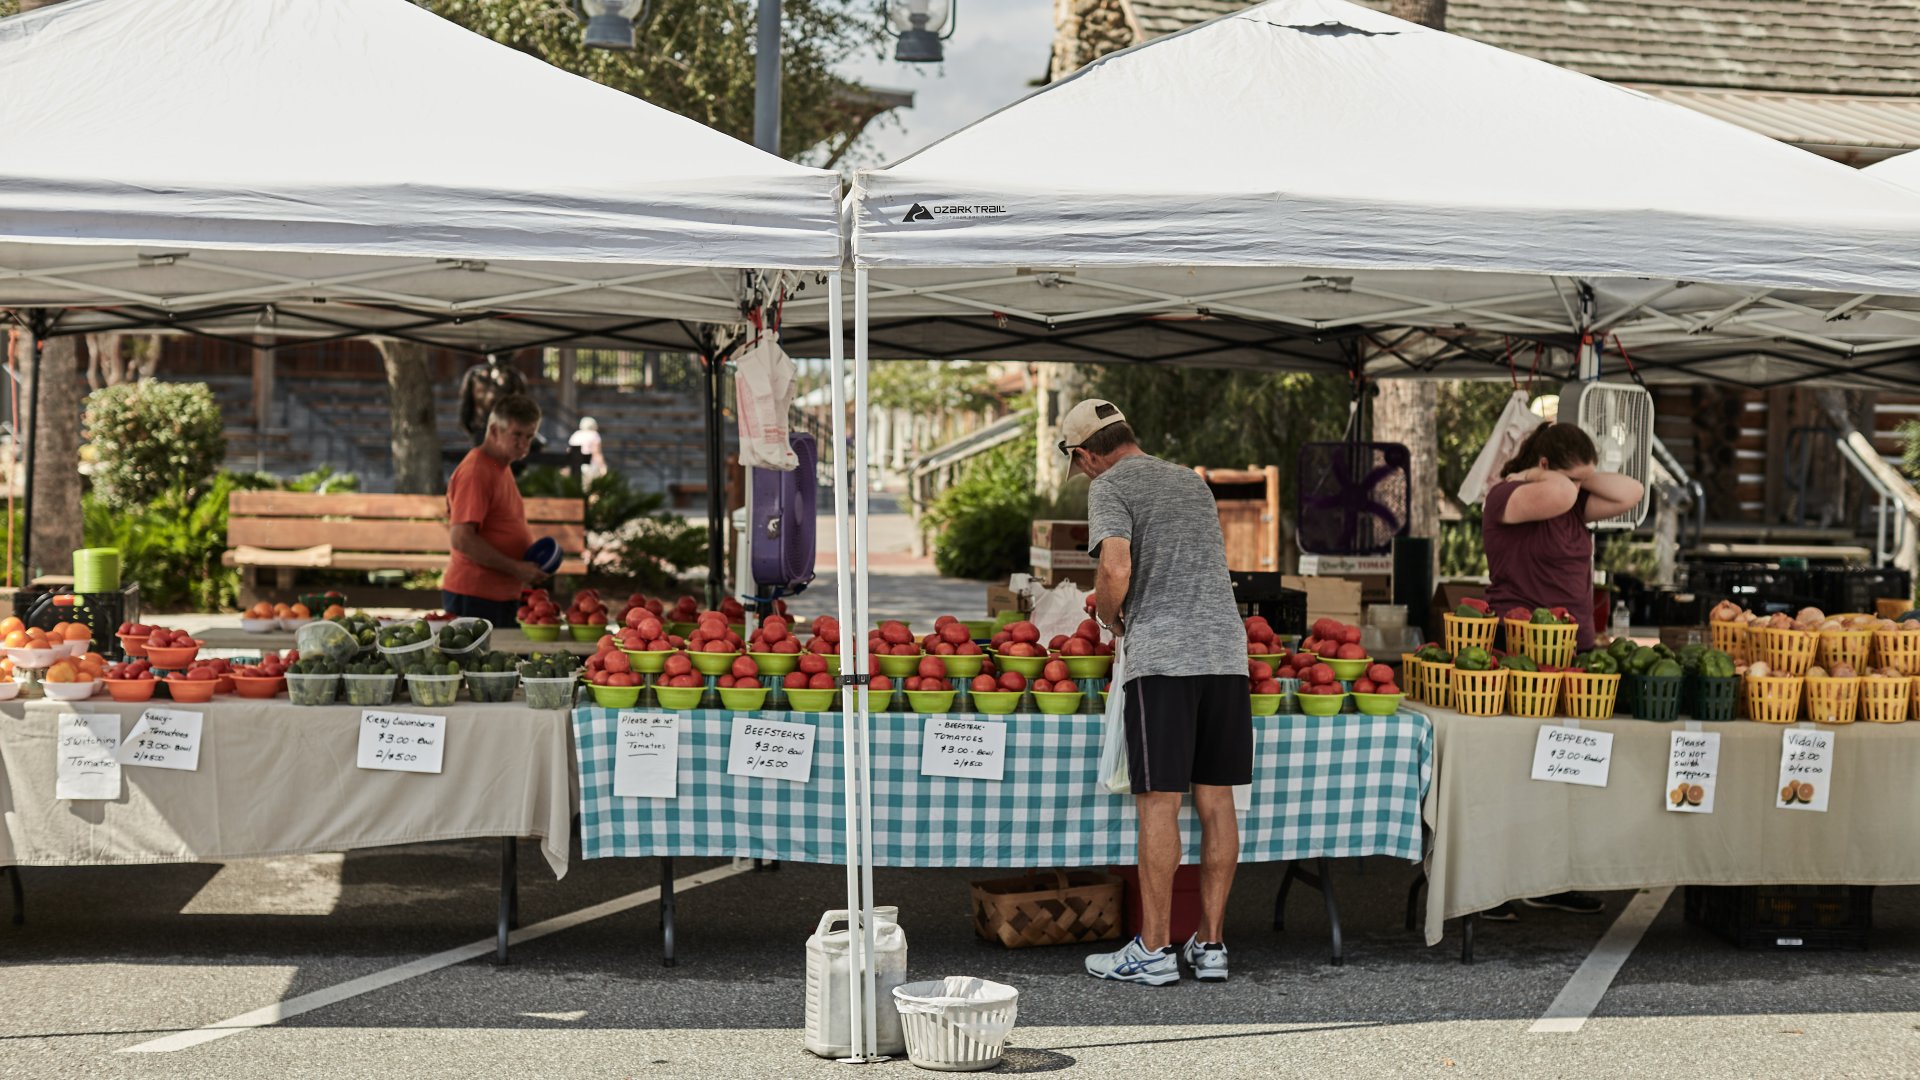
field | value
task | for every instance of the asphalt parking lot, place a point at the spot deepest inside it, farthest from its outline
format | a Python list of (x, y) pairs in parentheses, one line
[(116, 958)]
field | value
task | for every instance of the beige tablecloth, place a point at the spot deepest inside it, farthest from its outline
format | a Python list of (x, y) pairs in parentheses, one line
[(1498, 835), (505, 639), (281, 779)]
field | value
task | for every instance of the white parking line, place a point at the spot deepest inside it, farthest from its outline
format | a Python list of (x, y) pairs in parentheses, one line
[(294, 1006), (1589, 984)]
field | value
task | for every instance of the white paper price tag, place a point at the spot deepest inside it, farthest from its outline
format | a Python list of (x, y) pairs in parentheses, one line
[(1693, 765), (86, 767), (646, 755), (1568, 755), (1806, 769), (976, 749), (771, 748), (163, 739), (402, 742)]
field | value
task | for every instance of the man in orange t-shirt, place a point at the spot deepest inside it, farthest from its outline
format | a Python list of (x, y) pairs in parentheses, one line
[(488, 523)]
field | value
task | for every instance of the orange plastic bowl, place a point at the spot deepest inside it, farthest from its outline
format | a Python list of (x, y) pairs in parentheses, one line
[(174, 659), (131, 689), (134, 645), (255, 686), (192, 691)]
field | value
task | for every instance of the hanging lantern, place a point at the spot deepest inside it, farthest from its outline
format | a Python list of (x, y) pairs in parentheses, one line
[(610, 23), (919, 26)]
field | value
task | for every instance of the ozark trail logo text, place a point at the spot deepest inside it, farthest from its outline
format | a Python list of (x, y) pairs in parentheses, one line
[(923, 212)]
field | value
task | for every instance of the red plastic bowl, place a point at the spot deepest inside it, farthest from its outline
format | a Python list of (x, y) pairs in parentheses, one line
[(131, 689), (258, 686), (174, 659), (192, 690)]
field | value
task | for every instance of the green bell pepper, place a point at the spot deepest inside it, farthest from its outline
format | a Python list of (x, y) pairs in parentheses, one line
[(1519, 663), (1473, 658), (1665, 669), (1621, 649), (1642, 660), (1598, 662)]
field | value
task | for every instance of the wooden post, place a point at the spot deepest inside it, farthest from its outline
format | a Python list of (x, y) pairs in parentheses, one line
[(263, 374)]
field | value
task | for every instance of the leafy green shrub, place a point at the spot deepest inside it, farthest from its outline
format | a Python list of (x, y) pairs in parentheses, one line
[(149, 437), (172, 546), (985, 519)]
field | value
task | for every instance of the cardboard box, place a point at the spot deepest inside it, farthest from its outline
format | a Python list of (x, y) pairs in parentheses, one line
[(1447, 596), (1051, 577), (1060, 535), (1002, 598), (1328, 598), (1059, 559)]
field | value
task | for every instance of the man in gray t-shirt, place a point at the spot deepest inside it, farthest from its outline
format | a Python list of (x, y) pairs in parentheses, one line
[(1163, 585)]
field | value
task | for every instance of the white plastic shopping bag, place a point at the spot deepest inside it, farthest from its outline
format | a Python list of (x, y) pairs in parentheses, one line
[(763, 393), (1515, 424), (1059, 610), (1113, 737)]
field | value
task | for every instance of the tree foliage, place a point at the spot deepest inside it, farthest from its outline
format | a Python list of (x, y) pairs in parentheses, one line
[(149, 438), (931, 387), (985, 519), (695, 57)]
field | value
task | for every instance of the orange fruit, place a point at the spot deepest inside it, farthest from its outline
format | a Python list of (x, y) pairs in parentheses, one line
[(261, 610), (11, 623), (92, 669), (334, 611), (17, 639), (79, 632), (300, 611), (63, 671), (282, 611), (93, 658), (36, 634)]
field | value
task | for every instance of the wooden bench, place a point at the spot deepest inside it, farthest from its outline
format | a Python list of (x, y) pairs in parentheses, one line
[(283, 532)]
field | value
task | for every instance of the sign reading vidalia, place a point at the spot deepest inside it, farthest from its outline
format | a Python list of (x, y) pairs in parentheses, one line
[(1806, 769), (402, 742)]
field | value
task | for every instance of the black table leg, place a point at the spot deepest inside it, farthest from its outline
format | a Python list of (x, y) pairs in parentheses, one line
[(509, 898), (1325, 884), (1413, 900), (1466, 938), (1280, 898), (1321, 880), (19, 896), (666, 911)]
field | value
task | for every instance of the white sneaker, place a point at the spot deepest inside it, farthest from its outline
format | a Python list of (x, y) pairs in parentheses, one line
[(1136, 963), (1209, 962)]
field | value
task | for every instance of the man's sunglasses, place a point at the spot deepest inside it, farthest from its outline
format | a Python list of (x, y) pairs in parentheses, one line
[(1067, 451)]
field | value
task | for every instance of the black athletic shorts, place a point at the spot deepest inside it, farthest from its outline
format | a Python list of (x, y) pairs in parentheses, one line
[(1188, 729)]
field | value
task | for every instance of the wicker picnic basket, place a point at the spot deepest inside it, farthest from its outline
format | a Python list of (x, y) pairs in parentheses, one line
[(1074, 906)]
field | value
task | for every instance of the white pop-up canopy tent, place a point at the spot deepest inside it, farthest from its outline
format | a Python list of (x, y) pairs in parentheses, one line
[(364, 166), (1274, 187)]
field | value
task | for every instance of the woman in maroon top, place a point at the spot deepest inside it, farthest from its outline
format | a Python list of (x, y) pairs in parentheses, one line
[(1540, 554), (1539, 550)]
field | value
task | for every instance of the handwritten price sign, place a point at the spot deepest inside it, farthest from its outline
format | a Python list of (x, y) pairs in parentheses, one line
[(402, 742), (1565, 755), (1806, 770), (974, 749), (771, 748)]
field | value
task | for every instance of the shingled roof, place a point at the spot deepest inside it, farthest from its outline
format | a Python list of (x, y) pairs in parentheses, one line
[(1839, 78)]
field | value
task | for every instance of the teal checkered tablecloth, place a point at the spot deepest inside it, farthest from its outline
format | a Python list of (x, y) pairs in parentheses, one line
[(1323, 786)]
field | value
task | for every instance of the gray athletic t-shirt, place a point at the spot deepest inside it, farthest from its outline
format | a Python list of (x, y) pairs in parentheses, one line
[(1180, 614)]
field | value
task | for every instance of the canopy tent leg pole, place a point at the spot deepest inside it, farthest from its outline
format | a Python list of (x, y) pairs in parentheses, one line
[(849, 656), (716, 493), (37, 326), (860, 406)]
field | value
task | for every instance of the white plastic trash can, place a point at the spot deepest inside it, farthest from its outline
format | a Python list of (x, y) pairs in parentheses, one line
[(956, 1024)]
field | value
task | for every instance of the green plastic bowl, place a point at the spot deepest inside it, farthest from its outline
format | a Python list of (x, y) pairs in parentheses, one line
[(1060, 704), (964, 667), (1265, 704), (679, 697), (1272, 660), (615, 697), (931, 701), (743, 699), (541, 631), (680, 629), (776, 663), (995, 702), (980, 629), (1321, 704), (812, 700), (588, 632), (898, 667), (712, 663), (1089, 667), (647, 663), (1348, 670), (1377, 704), (1029, 666)]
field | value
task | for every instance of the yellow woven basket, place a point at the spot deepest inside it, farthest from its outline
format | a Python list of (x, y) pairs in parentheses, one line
[(1849, 647), (1480, 693), (1885, 701), (1436, 680), (1831, 700), (1786, 652), (1774, 699), (1533, 694), (1897, 649), (1548, 646), (1588, 696), (1731, 638), (1462, 633), (1410, 680)]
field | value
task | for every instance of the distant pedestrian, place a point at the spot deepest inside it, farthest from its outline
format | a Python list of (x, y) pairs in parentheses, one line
[(587, 440), (1163, 584)]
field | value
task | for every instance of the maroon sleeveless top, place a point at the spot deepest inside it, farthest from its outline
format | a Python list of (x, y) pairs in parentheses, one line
[(1539, 563)]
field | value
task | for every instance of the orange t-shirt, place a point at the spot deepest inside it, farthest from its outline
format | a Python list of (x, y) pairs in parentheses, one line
[(482, 492)]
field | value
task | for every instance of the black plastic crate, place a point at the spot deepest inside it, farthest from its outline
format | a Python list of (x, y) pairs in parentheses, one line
[(1787, 917), (102, 612), (1856, 588), (1260, 593)]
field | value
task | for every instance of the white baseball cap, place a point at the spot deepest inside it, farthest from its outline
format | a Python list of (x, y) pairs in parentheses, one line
[(1086, 418)]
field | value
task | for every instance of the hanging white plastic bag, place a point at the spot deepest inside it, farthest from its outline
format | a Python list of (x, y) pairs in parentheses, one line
[(763, 395), (1059, 610), (1114, 775), (1515, 424)]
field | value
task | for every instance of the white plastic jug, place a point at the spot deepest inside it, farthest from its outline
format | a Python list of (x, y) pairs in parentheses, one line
[(829, 1026)]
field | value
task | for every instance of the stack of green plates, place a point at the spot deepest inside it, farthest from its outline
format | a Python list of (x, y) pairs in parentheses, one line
[(96, 570)]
